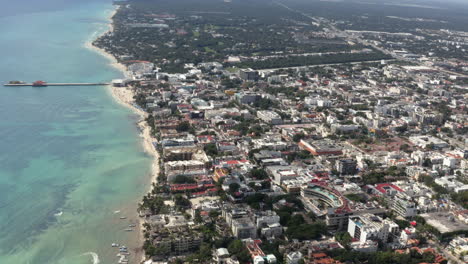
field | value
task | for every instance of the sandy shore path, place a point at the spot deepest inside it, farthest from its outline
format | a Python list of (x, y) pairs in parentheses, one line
[(124, 96), (113, 61)]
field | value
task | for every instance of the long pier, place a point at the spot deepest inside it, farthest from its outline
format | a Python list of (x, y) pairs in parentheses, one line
[(56, 84)]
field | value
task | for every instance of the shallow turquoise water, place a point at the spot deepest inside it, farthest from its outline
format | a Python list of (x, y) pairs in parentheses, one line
[(69, 149)]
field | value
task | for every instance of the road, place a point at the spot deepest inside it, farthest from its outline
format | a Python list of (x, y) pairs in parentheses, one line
[(357, 39), (317, 65)]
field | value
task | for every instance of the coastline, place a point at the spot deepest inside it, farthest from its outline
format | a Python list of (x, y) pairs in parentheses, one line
[(89, 45), (124, 96)]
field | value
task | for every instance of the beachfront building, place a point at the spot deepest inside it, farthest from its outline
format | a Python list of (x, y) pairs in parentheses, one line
[(189, 161), (188, 168), (176, 241)]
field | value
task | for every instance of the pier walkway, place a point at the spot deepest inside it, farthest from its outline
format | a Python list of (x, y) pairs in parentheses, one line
[(56, 84)]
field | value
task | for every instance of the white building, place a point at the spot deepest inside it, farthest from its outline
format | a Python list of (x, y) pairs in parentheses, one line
[(222, 257), (269, 117), (450, 162), (243, 228), (371, 227), (403, 205), (283, 173), (270, 217), (272, 230), (451, 183), (258, 260), (293, 257), (406, 235), (367, 247), (425, 141), (459, 245)]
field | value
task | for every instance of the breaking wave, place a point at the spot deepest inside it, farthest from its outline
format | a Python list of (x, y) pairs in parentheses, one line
[(94, 256)]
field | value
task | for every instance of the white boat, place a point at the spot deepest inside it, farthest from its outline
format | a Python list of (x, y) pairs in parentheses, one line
[(58, 213), (115, 245), (123, 217)]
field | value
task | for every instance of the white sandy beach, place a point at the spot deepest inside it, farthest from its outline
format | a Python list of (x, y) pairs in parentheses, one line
[(113, 61), (124, 96)]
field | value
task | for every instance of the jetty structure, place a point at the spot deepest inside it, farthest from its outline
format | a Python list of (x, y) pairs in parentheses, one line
[(44, 84)]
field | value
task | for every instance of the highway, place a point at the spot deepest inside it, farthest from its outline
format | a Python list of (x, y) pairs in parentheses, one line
[(355, 38)]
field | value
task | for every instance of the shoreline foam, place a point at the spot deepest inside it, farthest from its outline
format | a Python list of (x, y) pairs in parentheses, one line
[(124, 96)]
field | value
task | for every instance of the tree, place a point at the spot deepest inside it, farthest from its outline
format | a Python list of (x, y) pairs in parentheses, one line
[(344, 238), (265, 103), (461, 198), (402, 223), (298, 137), (355, 197), (140, 100), (183, 126), (373, 177), (181, 179), (427, 163), (304, 154), (154, 203), (238, 249), (213, 214), (234, 187), (181, 201), (203, 255), (198, 219), (259, 174), (211, 149), (430, 146), (405, 147), (305, 231)]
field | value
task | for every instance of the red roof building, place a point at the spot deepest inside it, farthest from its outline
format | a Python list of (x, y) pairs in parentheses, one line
[(387, 188)]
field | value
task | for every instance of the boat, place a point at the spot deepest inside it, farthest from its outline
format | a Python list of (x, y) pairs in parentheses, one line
[(39, 84), (16, 82), (129, 229), (123, 217), (58, 213), (115, 245), (131, 225)]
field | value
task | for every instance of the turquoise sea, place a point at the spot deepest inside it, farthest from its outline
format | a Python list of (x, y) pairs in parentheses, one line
[(69, 156)]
